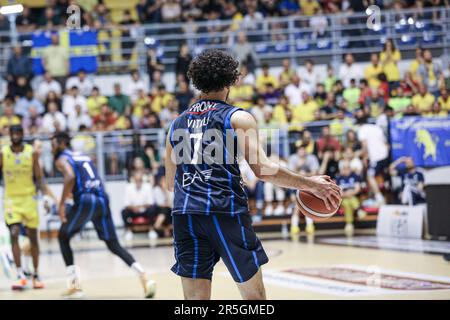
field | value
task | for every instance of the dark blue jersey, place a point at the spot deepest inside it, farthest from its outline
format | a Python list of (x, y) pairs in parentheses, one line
[(208, 179), (348, 182), (87, 179)]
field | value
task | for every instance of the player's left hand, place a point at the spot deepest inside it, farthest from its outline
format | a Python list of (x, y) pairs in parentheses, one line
[(62, 213)]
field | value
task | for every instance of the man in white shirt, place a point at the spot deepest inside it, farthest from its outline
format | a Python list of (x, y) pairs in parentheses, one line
[(349, 70), (71, 100), (54, 120), (375, 145), (48, 84), (82, 82), (310, 77), (79, 118), (294, 90), (135, 85), (139, 201)]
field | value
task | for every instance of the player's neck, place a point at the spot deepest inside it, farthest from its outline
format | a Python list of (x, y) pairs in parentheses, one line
[(17, 147), (216, 95)]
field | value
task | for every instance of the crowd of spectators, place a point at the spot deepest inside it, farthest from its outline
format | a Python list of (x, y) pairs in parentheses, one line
[(96, 13)]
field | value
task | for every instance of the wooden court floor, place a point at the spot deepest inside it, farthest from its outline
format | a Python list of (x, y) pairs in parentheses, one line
[(298, 269)]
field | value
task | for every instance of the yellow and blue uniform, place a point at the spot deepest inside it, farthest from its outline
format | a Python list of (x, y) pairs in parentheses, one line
[(210, 213), (20, 205)]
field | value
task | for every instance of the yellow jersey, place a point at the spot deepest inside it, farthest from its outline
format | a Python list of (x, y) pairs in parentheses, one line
[(18, 172)]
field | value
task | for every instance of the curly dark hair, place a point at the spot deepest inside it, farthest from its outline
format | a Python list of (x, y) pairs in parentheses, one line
[(213, 70)]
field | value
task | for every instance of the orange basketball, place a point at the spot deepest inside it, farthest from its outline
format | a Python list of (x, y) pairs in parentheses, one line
[(313, 207)]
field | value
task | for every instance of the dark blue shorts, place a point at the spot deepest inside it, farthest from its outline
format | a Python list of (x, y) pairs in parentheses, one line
[(90, 207), (201, 240)]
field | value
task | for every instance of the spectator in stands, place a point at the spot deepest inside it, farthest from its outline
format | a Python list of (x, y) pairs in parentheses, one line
[(26, 21), (352, 158), (154, 64), (8, 118), (430, 73), (372, 71), (19, 88), (169, 113), (149, 11), (416, 63), (105, 120), (400, 101), (306, 111), (374, 105), (436, 111), (330, 79), (320, 94), (48, 84), (294, 90), (128, 34), (49, 19), (170, 11), (135, 85), (311, 77), (54, 120), (95, 101), (150, 157), (279, 112), (444, 100), (55, 59), (19, 64), (375, 148), (274, 193), (341, 124), (72, 99), (412, 189), (139, 202), (309, 7), (244, 52), (119, 102), (82, 82), (183, 60), (259, 110), (184, 96), (150, 120), (163, 206), (318, 23), (349, 70), (253, 19), (33, 122), (350, 184), (77, 119), (303, 162), (247, 77), (25, 103), (389, 58), (160, 99), (423, 100), (286, 73), (329, 108), (351, 94), (271, 95), (351, 141)]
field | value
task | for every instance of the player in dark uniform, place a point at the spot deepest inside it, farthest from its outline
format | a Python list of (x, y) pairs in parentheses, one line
[(81, 180), (210, 211)]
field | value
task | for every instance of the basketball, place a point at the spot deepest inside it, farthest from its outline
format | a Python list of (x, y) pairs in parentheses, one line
[(313, 207)]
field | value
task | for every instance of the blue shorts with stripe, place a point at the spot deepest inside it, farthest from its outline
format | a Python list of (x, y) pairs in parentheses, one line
[(90, 207), (201, 240)]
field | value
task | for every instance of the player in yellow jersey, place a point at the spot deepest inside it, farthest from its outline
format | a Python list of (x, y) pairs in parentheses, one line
[(22, 173)]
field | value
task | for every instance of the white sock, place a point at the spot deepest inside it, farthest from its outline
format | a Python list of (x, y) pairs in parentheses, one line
[(20, 273), (73, 273), (309, 221), (295, 220), (136, 266), (26, 263)]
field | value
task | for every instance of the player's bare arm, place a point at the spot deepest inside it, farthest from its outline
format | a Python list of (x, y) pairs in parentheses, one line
[(40, 179), (169, 164), (63, 166), (247, 131)]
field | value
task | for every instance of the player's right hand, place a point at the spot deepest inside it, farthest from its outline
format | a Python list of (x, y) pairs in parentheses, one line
[(62, 213), (323, 187)]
